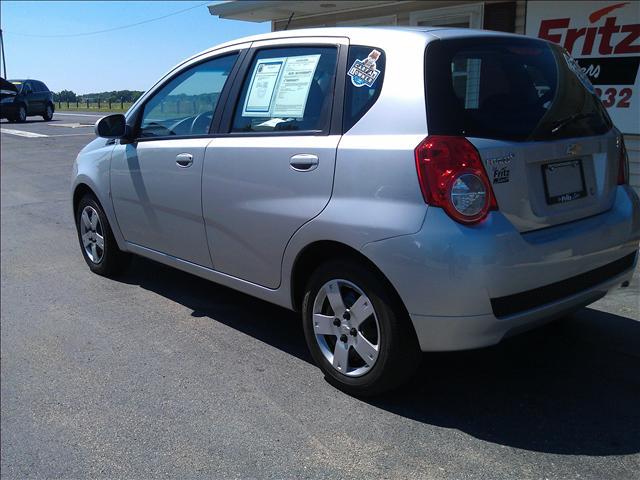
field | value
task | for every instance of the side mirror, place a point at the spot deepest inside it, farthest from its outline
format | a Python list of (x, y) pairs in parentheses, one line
[(112, 126)]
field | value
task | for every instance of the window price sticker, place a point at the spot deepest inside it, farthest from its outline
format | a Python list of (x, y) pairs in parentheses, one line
[(280, 87)]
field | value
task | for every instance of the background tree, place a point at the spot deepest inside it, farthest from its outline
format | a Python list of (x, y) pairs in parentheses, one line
[(113, 96), (65, 96)]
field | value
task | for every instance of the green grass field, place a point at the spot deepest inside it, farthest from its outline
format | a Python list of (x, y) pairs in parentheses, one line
[(92, 106)]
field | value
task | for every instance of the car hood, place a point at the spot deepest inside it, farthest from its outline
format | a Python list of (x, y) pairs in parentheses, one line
[(7, 89), (95, 144)]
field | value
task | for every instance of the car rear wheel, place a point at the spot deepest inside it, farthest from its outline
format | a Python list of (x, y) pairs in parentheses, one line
[(358, 333), (48, 113), (97, 243), (21, 114)]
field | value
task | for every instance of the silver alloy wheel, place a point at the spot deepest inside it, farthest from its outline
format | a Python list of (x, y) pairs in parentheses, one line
[(92, 234), (49, 111), (22, 113), (346, 327)]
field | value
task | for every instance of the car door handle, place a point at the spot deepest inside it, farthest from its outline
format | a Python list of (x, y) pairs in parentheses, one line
[(304, 162), (184, 160)]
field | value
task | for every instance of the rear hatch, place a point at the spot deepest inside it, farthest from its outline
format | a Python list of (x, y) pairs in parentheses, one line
[(545, 139)]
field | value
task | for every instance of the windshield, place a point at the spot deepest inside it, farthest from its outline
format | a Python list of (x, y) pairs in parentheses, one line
[(509, 88), (18, 84)]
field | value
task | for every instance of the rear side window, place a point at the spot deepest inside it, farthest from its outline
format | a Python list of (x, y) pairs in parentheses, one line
[(363, 83), (39, 86), (512, 89), (287, 89)]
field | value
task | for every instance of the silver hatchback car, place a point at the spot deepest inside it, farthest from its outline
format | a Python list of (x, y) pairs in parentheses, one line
[(406, 190)]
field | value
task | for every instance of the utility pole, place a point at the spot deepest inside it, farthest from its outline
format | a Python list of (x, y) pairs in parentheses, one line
[(4, 60)]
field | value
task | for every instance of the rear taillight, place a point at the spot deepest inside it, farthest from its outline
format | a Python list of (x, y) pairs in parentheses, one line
[(452, 177), (623, 163)]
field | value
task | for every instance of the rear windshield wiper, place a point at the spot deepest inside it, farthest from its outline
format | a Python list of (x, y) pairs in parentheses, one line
[(560, 124)]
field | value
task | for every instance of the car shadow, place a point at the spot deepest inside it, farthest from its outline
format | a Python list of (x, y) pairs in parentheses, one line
[(242, 312), (572, 387)]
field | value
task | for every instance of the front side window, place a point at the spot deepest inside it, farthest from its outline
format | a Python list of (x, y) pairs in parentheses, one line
[(512, 89), (287, 89), (185, 105)]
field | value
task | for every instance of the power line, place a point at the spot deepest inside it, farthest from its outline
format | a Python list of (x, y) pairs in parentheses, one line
[(67, 35)]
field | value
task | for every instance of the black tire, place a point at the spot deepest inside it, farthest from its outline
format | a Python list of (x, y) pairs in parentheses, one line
[(48, 113), (21, 114), (398, 349), (113, 260)]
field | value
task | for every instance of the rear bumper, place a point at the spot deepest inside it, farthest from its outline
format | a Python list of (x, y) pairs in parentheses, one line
[(459, 333), (469, 287)]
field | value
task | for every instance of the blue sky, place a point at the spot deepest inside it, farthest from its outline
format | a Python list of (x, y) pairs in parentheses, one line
[(131, 58)]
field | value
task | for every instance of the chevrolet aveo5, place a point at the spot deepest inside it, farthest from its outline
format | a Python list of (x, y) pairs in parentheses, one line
[(406, 190)]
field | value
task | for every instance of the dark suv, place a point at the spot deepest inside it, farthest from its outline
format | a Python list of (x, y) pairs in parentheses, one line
[(21, 98)]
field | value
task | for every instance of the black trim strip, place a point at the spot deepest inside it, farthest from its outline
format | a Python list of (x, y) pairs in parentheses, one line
[(520, 302)]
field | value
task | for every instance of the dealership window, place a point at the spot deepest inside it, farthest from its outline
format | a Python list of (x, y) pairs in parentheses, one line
[(465, 75), (370, 22), (460, 16)]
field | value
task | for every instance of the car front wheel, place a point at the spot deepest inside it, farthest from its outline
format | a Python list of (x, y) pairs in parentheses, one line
[(21, 115), (48, 113), (97, 243), (357, 331)]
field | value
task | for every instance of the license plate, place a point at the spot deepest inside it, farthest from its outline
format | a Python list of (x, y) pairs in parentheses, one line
[(563, 181)]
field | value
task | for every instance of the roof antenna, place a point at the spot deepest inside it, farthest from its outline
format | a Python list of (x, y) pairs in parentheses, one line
[(289, 21)]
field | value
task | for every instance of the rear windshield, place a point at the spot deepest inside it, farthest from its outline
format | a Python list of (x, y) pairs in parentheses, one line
[(509, 88)]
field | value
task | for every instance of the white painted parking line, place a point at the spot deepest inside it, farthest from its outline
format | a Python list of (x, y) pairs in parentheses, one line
[(71, 135), (80, 115), (22, 133), (70, 125)]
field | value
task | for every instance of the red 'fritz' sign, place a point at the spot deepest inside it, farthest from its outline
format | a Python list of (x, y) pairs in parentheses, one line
[(552, 30), (604, 37)]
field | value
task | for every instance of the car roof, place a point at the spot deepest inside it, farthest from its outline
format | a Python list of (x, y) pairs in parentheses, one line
[(373, 32), (365, 35)]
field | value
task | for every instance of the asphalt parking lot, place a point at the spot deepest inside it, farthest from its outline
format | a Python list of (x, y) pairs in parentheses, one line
[(160, 373)]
